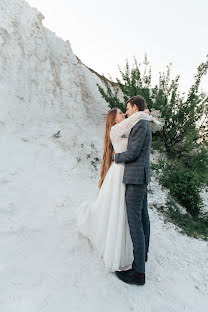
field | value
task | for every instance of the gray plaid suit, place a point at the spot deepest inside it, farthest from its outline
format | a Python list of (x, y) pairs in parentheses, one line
[(136, 177)]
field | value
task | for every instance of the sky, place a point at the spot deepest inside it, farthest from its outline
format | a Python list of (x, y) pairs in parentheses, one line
[(103, 34)]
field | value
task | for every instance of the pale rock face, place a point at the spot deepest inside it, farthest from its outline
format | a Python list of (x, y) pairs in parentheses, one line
[(42, 82)]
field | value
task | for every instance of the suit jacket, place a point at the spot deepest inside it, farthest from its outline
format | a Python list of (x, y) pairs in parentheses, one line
[(137, 156)]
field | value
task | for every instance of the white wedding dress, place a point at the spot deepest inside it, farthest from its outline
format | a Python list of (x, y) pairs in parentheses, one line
[(104, 222)]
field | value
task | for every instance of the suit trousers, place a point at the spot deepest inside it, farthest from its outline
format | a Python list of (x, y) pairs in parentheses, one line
[(139, 223)]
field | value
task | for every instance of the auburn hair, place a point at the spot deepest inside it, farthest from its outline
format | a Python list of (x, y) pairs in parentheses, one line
[(108, 147)]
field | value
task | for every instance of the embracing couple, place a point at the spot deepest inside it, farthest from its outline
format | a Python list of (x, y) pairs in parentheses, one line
[(117, 223)]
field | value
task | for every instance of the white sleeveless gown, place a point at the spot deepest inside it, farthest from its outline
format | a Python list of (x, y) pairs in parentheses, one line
[(104, 222)]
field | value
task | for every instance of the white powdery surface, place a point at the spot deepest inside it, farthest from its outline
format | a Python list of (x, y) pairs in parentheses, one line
[(45, 265)]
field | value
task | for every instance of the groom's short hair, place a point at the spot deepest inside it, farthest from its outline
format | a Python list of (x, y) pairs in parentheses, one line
[(139, 101)]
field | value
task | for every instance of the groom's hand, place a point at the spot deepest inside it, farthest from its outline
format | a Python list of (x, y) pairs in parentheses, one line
[(147, 111)]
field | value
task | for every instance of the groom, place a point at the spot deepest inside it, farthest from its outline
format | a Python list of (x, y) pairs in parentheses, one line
[(136, 177)]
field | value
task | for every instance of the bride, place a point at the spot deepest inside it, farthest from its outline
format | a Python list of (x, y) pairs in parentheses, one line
[(104, 222)]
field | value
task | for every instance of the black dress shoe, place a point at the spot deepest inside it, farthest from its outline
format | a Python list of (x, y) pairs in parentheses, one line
[(130, 277)]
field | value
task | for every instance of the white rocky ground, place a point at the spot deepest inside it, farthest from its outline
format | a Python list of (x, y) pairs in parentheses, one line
[(44, 263)]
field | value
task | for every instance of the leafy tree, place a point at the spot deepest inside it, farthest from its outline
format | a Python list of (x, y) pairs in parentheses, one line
[(184, 137), (185, 115)]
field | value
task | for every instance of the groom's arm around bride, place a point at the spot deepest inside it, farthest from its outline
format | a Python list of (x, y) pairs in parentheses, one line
[(137, 156)]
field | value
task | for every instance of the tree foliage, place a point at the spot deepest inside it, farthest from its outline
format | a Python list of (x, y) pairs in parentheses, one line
[(185, 116), (184, 137)]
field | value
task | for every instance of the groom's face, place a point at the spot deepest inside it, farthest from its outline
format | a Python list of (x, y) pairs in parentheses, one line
[(131, 110)]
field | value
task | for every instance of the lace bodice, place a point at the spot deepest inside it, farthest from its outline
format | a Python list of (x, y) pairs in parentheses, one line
[(120, 132)]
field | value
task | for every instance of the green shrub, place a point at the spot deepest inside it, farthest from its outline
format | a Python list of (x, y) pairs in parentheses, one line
[(196, 227), (184, 185)]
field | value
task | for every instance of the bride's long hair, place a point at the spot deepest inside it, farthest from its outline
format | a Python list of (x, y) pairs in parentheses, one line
[(108, 147)]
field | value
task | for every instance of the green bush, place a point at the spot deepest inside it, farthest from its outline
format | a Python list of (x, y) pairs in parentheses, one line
[(184, 185), (196, 227)]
